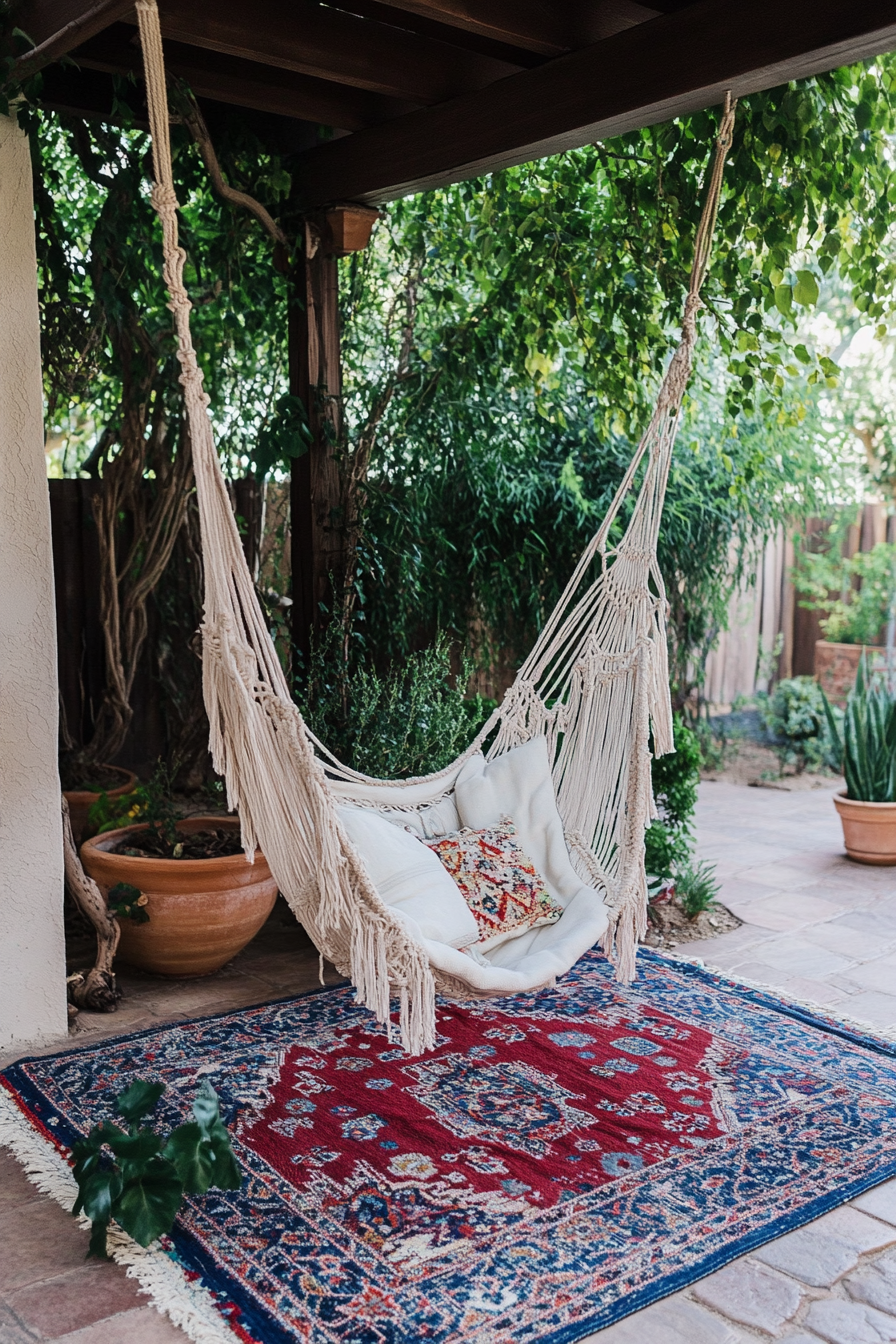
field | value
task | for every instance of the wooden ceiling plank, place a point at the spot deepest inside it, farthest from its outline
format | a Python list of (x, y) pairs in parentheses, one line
[(230, 79), (464, 38), (534, 25), (331, 44), (666, 67)]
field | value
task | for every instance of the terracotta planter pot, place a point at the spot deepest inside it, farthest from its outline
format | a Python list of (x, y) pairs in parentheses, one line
[(869, 830), (836, 667), (80, 801), (201, 911)]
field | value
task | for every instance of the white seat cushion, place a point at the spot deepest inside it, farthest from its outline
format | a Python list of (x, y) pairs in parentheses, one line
[(519, 785), (409, 877)]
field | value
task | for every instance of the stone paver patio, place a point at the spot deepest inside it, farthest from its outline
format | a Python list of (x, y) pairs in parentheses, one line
[(816, 927)]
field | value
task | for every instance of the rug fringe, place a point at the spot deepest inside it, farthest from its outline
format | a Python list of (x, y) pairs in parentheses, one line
[(857, 1024), (188, 1305)]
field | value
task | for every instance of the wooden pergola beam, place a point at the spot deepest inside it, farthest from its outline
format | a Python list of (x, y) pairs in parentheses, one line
[(333, 45), (241, 83), (684, 61), (56, 27)]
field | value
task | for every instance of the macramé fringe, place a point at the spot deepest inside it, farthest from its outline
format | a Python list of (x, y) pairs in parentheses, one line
[(189, 1306)]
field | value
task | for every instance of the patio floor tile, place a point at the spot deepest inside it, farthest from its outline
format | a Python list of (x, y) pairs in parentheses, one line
[(12, 1331), (752, 1295), (850, 1323), (879, 1010), (879, 976), (71, 1301), (856, 944), (875, 1285), (143, 1326), (672, 1321), (15, 1187), (39, 1240), (872, 922), (781, 876), (880, 1203), (822, 992), (800, 957), (822, 1252)]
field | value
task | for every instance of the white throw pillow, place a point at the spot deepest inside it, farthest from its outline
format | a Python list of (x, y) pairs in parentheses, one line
[(519, 785), (410, 877)]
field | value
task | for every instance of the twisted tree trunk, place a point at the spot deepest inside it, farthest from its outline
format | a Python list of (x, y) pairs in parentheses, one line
[(94, 989)]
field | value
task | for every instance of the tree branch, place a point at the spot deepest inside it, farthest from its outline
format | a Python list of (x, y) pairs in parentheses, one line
[(95, 989), (195, 123)]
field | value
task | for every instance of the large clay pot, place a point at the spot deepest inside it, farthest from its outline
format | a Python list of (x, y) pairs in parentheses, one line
[(201, 911), (837, 665), (80, 801), (869, 830)]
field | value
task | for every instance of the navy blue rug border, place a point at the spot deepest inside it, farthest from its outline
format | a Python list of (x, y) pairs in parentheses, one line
[(253, 1322)]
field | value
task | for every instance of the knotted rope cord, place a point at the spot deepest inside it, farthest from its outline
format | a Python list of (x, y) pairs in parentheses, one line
[(257, 734), (593, 683)]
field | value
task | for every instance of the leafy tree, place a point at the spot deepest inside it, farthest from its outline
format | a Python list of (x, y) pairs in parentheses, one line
[(504, 341)]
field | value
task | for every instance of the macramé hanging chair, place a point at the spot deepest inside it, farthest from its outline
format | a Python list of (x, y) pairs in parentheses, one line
[(593, 688)]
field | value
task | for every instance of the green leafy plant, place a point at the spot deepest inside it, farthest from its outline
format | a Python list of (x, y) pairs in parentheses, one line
[(669, 841), (286, 437), (867, 740), (866, 583), (409, 721), (150, 804), (794, 715), (139, 1177), (127, 902), (696, 888)]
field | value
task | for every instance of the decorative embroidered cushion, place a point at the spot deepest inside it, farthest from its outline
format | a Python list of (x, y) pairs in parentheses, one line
[(518, 784), (498, 881), (410, 878)]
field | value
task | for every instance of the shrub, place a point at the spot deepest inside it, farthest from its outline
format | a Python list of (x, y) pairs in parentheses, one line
[(412, 720), (794, 715), (669, 841), (866, 583)]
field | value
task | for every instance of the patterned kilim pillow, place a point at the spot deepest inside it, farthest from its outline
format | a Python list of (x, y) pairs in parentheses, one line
[(498, 881)]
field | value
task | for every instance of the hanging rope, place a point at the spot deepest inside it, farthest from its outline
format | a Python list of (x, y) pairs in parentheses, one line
[(595, 684)]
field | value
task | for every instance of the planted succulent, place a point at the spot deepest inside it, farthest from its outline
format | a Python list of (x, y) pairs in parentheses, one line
[(696, 888), (867, 742), (139, 1177)]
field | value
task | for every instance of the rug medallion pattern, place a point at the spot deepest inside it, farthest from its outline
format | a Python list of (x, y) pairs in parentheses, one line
[(558, 1161)]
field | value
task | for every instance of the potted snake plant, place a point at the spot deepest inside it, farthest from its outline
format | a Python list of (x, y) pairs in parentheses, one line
[(867, 743)]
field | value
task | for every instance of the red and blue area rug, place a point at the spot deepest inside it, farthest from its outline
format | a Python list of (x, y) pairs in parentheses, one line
[(559, 1160)]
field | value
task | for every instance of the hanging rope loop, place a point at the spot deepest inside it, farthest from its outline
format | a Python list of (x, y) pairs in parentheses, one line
[(595, 685)]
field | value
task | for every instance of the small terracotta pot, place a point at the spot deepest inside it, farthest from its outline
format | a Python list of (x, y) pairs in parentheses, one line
[(837, 666), (80, 801), (201, 911), (869, 830)]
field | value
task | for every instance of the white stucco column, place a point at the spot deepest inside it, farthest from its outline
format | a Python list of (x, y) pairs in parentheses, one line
[(32, 950)]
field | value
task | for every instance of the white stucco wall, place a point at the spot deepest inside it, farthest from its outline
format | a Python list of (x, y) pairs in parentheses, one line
[(32, 951)]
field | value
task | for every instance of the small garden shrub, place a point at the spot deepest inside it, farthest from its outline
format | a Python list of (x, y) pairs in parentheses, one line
[(410, 721), (669, 841), (866, 583), (794, 716)]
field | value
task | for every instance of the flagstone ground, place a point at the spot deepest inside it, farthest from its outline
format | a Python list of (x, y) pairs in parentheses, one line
[(815, 926)]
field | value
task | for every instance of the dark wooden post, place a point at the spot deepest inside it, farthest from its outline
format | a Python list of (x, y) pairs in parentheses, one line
[(318, 530)]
